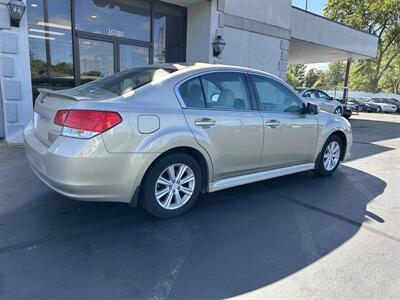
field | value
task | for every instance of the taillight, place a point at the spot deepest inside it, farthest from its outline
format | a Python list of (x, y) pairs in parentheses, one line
[(86, 123), (60, 117)]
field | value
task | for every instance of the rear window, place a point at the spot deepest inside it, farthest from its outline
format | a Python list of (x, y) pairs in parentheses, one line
[(122, 82)]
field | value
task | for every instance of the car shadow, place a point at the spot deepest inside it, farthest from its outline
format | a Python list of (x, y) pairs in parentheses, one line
[(230, 243)]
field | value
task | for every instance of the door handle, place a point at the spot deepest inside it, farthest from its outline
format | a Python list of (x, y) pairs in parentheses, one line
[(272, 123), (205, 122)]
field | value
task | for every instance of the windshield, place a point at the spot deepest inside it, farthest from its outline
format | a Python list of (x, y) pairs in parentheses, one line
[(122, 82)]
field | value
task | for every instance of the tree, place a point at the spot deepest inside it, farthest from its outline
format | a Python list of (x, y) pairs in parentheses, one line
[(311, 78), (379, 17), (335, 73), (292, 80), (296, 74), (390, 81)]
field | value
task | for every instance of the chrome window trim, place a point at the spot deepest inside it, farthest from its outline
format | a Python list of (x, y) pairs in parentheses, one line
[(182, 102)]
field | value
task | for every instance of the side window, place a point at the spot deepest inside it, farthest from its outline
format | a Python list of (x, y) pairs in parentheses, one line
[(192, 93), (308, 94), (275, 97), (323, 95), (226, 90)]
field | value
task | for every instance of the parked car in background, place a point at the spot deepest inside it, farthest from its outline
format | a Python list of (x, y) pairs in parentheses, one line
[(363, 106), (383, 106), (325, 102), (161, 134)]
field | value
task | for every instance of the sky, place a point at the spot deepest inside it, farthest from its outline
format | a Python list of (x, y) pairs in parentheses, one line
[(315, 6)]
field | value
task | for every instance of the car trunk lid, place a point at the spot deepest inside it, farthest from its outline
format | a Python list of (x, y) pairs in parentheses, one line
[(46, 107)]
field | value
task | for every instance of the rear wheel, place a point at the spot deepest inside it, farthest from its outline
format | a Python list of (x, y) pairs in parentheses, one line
[(379, 109), (329, 158), (171, 186)]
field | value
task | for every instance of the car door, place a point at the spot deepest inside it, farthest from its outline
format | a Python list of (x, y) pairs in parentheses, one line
[(224, 121), (290, 135)]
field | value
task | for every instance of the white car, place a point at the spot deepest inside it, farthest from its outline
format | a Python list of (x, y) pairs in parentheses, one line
[(385, 107), (324, 101)]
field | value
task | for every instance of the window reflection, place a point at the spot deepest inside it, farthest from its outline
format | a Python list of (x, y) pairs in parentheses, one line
[(50, 43), (133, 56), (119, 18), (169, 33), (96, 59)]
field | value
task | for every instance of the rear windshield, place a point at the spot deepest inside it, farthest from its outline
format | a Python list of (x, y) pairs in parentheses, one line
[(122, 82)]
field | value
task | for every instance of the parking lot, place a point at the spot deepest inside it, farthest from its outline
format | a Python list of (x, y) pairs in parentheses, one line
[(294, 237)]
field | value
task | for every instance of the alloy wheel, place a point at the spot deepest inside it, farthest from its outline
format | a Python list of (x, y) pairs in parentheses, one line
[(338, 111), (175, 186), (331, 155)]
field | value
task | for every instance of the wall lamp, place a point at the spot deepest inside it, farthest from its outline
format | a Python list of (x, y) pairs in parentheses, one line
[(17, 10), (218, 45)]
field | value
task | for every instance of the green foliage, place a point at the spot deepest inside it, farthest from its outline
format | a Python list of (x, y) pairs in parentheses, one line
[(296, 75), (335, 74), (311, 78), (379, 17)]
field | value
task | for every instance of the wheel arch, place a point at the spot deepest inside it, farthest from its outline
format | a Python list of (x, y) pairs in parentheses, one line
[(206, 168)]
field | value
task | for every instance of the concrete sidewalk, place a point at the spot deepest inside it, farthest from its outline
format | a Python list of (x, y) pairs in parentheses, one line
[(295, 237)]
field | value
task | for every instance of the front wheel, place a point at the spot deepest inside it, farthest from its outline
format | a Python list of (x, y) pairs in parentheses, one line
[(379, 109), (171, 186), (338, 111), (329, 158)]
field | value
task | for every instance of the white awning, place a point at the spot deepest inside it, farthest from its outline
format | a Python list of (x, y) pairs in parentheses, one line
[(317, 39)]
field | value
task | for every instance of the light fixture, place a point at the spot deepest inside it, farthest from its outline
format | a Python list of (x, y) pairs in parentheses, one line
[(59, 26), (46, 31), (94, 17), (34, 5), (17, 10), (218, 45)]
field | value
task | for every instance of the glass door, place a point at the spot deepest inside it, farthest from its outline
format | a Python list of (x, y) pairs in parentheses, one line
[(131, 56), (96, 59)]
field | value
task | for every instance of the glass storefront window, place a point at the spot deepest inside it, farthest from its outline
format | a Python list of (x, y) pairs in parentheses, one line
[(118, 18), (169, 33), (96, 59), (107, 36), (50, 43), (132, 56)]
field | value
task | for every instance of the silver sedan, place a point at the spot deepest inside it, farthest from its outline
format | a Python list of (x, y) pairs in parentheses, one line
[(159, 135)]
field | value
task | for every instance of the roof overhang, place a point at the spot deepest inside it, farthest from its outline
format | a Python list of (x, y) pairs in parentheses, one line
[(316, 39), (185, 3)]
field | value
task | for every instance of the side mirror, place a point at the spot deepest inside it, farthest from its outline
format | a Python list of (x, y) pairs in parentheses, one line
[(312, 108)]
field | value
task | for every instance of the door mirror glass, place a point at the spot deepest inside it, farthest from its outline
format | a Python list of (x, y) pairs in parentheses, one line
[(312, 108)]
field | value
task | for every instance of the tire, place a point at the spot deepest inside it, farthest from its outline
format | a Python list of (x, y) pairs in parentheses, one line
[(321, 167), (338, 111), (379, 109), (168, 205), (360, 109)]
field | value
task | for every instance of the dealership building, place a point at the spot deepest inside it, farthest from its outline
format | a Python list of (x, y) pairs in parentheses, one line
[(60, 44)]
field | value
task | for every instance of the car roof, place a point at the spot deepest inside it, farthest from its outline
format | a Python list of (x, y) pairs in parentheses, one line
[(188, 67)]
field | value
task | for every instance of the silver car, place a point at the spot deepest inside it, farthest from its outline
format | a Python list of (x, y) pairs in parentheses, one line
[(159, 135), (324, 101)]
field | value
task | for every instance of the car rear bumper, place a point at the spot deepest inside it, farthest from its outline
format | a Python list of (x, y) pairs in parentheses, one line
[(83, 169)]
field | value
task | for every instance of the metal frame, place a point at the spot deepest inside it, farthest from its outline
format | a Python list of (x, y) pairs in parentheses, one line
[(256, 105)]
